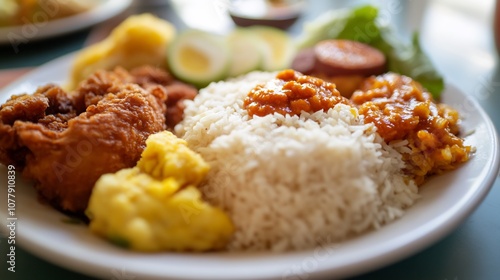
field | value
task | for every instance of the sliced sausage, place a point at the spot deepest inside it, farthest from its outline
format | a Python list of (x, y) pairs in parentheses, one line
[(305, 61), (344, 57)]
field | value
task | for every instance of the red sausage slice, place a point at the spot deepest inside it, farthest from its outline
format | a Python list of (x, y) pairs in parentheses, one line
[(305, 61), (344, 57)]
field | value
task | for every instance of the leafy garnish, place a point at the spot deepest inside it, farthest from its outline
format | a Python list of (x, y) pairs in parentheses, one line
[(360, 24)]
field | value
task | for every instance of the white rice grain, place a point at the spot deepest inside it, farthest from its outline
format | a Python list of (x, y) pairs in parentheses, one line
[(289, 181)]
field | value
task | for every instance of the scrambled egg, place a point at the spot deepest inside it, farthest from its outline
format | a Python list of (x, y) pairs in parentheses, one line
[(139, 40), (175, 159), (156, 205)]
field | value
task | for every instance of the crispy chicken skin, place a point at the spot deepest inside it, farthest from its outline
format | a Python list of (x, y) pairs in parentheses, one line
[(66, 141)]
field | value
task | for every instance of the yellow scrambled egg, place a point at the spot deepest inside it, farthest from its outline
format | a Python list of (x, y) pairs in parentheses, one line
[(156, 206), (139, 40), (172, 159)]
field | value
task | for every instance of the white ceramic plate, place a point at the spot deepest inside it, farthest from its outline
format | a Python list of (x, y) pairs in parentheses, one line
[(446, 201), (43, 28)]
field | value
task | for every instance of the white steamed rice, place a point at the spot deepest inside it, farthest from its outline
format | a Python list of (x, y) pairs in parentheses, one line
[(288, 182)]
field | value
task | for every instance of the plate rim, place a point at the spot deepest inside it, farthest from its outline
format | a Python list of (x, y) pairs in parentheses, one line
[(391, 255)]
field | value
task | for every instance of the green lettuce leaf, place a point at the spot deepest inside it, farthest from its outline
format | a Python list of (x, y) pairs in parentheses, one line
[(360, 24)]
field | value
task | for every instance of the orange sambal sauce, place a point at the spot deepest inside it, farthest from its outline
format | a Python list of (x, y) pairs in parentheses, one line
[(402, 110), (291, 93), (397, 105)]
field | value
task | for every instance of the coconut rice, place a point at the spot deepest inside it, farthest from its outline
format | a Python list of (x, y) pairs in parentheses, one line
[(289, 181)]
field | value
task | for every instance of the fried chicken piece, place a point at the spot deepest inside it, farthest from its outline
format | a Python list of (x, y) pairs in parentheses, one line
[(66, 141), (149, 78), (177, 92)]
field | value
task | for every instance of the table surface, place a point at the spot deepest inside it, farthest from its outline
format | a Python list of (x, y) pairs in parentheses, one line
[(458, 37)]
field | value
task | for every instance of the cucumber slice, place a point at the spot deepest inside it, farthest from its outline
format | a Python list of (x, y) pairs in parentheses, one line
[(199, 57), (280, 48), (247, 49)]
